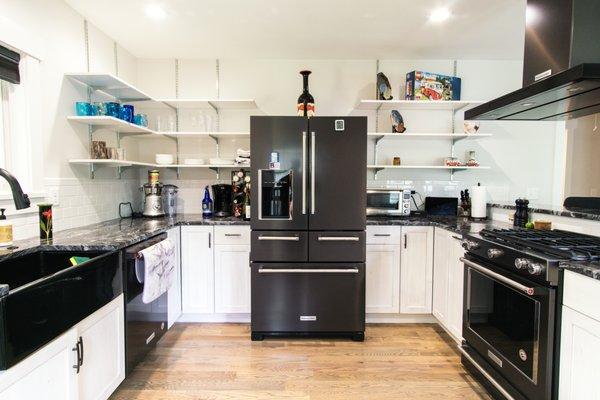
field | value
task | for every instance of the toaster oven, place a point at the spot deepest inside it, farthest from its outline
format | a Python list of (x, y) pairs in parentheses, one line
[(388, 202)]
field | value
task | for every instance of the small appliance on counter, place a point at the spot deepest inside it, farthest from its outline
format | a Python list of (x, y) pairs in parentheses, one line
[(441, 206), (153, 206), (169, 199), (222, 203), (388, 202)]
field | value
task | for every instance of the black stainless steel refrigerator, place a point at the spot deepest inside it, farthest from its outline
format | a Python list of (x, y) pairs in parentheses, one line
[(308, 226)]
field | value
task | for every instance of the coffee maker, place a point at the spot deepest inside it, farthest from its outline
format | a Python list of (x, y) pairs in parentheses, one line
[(153, 206), (169, 195), (222, 204)]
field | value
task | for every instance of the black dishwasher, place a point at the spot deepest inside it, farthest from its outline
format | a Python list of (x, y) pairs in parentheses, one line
[(145, 324)]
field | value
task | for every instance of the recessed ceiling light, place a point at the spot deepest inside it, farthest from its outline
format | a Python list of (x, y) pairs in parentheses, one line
[(439, 14), (155, 11), (527, 104)]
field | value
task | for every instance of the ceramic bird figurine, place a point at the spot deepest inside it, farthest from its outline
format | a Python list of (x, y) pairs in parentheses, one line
[(384, 89), (397, 122)]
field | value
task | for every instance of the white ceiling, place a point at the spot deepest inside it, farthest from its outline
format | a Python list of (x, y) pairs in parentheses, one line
[(314, 29)]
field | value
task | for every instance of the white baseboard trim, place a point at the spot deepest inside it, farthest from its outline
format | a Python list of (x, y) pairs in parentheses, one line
[(401, 319), (215, 318), (370, 318)]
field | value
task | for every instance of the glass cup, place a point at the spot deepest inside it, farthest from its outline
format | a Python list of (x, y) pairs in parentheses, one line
[(141, 120), (112, 109), (82, 108), (126, 112), (101, 107)]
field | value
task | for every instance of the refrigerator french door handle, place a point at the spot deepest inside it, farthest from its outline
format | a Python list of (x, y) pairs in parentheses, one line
[(259, 194), (304, 166), (313, 171)]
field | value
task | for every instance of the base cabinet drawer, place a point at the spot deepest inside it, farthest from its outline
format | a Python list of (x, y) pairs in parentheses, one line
[(336, 247)]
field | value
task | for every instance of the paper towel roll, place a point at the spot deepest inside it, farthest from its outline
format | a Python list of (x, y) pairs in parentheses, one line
[(478, 202)]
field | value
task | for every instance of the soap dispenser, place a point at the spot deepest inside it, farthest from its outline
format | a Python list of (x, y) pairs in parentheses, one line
[(6, 231)]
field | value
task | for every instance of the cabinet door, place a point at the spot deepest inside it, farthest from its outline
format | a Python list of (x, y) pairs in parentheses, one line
[(47, 374), (197, 269), (455, 288), (103, 343), (232, 278), (383, 279), (416, 270), (579, 355), (174, 295), (441, 255)]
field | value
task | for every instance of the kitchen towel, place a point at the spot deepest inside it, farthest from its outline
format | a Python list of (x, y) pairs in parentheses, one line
[(155, 268)]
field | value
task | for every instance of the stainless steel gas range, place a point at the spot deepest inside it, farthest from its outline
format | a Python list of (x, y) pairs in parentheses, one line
[(510, 307)]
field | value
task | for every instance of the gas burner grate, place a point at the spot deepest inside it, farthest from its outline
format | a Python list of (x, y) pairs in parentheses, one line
[(562, 244)]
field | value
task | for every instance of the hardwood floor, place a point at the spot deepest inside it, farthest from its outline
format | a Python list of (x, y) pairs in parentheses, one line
[(218, 361)]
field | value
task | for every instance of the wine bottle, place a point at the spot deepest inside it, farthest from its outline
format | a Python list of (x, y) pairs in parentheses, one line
[(206, 204), (306, 103), (247, 204)]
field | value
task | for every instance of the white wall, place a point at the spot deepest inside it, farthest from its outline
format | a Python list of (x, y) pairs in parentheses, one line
[(521, 154), (59, 31), (582, 161)]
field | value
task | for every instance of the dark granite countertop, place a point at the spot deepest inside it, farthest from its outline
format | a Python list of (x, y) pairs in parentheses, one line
[(571, 212), (591, 269)]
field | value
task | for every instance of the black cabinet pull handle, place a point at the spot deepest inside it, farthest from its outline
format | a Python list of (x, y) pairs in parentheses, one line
[(382, 234), (405, 240), (81, 344), (77, 365)]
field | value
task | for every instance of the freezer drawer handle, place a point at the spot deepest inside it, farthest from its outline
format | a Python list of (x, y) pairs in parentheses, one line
[(286, 238), (308, 271), (338, 239), (515, 285), (486, 374)]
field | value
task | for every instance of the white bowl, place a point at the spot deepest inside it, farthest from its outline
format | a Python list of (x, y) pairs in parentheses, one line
[(193, 161), (221, 161), (164, 159)]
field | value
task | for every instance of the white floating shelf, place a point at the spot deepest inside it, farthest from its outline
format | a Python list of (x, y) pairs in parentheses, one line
[(114, 123), (219, 104), (415, 104), (111, 85), (452, 136), (111, 163), (231, 135), (443, 167), (126, 163)]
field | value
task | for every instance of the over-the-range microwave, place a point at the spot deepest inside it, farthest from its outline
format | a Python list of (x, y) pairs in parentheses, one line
[(388, 202)]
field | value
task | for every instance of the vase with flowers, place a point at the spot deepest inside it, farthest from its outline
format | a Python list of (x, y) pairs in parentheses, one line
[(46, 223)]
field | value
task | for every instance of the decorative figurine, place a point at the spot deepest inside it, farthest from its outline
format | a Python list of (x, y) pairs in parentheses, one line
[(384, 89), (306, 103), (471, 127), (397, 122)]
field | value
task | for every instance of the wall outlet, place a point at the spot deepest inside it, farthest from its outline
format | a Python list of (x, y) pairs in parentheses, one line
[(52, 196)]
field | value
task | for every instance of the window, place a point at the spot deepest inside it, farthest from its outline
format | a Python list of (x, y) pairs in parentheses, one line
[(20, 136)]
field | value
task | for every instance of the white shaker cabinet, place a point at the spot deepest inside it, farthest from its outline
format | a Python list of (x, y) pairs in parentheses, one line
[(197, 269), (174, 294), (103, 352), (416, 270), (580, 338), (383, 270), (232, 269), (448, 274), (51, 373)]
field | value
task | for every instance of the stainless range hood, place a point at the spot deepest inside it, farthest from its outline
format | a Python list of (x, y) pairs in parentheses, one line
[(561, 68)]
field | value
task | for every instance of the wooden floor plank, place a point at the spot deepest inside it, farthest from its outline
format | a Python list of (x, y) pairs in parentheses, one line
[(219, 362)]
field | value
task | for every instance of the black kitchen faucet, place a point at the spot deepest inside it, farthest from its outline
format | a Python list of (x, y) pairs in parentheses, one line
[(21, 199)]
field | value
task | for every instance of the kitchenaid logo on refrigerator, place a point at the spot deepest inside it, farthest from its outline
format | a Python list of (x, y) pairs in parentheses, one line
[(308, 318)]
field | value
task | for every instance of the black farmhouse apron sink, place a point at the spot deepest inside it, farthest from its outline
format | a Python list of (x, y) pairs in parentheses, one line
[(43, 296)]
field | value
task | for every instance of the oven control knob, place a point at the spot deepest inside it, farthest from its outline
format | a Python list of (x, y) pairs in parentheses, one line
[(521, 263), (535, 268), (470, 244), (494, 253)]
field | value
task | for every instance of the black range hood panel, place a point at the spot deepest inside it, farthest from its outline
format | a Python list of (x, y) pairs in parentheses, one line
[(569, 94)]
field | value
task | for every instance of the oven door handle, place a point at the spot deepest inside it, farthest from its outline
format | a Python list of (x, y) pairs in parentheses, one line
[(486, 374), (486, 271)]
